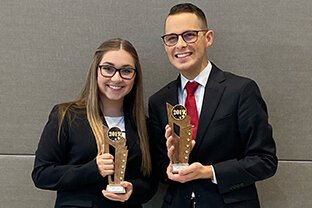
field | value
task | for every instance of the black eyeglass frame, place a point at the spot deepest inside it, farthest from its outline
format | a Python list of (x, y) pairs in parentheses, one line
[(117, 70), (182, 34)]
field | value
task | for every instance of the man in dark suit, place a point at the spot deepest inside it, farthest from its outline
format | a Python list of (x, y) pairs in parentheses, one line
[(233, 147)]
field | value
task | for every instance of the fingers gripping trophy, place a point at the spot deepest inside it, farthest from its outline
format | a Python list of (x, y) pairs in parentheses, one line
[(177, 117), (113, 137)]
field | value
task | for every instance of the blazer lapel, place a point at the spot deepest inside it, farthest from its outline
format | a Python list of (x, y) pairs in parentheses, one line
[(131, 134), (213, 94), (171, 95)]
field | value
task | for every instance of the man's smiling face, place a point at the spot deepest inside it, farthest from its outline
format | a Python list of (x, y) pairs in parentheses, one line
[(189, 58)]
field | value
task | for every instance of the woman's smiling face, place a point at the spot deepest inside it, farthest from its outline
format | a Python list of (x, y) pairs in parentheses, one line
[(115, 88)]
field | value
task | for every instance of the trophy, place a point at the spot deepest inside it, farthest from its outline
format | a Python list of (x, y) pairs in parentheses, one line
[(180, 121), (113, 137)]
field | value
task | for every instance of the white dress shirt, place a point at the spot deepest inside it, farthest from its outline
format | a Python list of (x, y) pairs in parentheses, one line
[(202, 79)]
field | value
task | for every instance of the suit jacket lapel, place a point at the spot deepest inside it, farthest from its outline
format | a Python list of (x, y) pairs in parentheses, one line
[(213, 94), (171, 96), (131, 134)]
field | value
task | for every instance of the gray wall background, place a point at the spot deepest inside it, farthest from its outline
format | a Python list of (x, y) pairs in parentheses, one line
[(46, 48)]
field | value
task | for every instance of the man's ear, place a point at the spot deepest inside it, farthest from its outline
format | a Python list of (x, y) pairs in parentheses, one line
[(209, 38)]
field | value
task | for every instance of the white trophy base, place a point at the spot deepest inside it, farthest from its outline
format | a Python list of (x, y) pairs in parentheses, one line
[(178, 166), (117, 189)]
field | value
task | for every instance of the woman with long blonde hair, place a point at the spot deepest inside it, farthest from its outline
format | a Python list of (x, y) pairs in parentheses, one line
[(70, 157)]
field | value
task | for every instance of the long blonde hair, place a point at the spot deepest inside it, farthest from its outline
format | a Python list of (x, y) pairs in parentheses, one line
[(133, 102)]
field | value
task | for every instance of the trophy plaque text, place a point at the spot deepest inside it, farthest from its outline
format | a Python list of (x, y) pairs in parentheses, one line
[(114, 138), (177, 115)]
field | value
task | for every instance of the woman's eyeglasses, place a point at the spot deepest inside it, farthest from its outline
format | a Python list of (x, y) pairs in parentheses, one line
[(109, 71)]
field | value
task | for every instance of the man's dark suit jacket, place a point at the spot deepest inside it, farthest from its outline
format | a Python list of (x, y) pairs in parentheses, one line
[(233, 135), (68, 165)]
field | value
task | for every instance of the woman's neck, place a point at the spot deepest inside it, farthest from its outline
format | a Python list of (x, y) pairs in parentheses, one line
[(112, 108)]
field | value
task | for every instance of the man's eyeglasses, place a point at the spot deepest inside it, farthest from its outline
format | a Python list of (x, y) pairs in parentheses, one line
[(109, 71), (189, 36)]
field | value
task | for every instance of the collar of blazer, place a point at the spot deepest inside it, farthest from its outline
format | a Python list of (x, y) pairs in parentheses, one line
[(213, 94)]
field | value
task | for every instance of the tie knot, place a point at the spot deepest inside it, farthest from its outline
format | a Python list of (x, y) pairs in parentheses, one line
[(191, 87)]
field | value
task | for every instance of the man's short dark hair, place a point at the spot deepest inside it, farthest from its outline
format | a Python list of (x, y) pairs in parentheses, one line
[(189, 8)]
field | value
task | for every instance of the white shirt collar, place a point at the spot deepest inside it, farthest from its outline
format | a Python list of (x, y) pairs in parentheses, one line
[(202, 78)]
